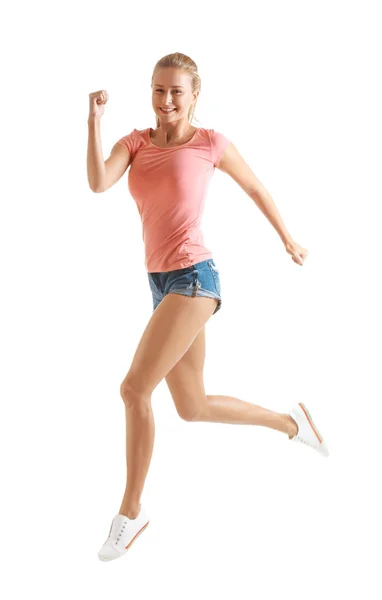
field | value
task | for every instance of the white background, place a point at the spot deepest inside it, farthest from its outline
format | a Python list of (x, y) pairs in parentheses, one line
[(235, 511)]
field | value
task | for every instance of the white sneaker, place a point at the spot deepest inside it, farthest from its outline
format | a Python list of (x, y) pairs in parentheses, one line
[(307, 431), (123, 532)]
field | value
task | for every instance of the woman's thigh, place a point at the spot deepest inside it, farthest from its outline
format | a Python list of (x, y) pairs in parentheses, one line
[(185, 380), (168, 335)]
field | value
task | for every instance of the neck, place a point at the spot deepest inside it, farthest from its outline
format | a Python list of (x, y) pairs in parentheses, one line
[(171, 132)]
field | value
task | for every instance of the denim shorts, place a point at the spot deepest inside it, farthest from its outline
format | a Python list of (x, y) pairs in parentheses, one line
[(201, 279)]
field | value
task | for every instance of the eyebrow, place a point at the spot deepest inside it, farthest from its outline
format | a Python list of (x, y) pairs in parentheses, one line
[(160, 85)]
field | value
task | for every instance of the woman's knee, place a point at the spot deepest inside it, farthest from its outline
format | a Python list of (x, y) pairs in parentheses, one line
[(134, 394), (190, 414)]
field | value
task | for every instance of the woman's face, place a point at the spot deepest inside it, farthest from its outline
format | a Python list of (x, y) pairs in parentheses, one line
[(171, 88)]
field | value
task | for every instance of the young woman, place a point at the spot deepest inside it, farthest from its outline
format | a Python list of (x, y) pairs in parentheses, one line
[(171, 167)]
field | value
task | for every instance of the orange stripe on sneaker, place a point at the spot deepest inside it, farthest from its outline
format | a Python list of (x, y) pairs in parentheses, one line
[(136, 535), (311, 422)]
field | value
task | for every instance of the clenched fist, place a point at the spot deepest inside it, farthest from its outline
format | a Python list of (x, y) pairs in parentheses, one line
[(97, 101)]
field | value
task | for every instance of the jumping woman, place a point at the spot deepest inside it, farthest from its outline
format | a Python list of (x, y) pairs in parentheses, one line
[(171, 167)]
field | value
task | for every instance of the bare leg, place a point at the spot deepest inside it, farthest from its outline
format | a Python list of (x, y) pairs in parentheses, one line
[(170, 332), (226, 409), (186, 385), (140, 433)]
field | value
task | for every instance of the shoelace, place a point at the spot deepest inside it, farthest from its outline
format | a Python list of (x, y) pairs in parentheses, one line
[(297, 437), (121, 532)]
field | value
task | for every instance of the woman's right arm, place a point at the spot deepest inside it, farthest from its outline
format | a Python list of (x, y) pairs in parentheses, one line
[(95, 162), (102, 175)]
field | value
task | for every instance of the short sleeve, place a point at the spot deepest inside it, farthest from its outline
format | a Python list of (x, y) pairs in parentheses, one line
[(131, 142), (219, 143)]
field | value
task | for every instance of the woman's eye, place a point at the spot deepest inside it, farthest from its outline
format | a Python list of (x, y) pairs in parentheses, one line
[(179, 91)]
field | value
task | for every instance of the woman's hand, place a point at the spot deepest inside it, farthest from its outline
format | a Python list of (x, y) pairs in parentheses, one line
[(97, 101), (297, 252)]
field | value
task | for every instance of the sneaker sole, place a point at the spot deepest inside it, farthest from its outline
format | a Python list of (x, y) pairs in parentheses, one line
[(317, 433), (322, 448), (128, 545)]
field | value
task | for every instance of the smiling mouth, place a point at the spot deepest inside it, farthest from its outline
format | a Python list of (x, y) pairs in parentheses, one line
[(167, 112)]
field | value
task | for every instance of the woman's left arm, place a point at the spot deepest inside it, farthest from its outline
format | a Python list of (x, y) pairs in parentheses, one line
[(234, 165)]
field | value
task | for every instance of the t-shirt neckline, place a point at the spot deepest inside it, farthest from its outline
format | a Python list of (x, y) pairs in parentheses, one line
[(171, 147)]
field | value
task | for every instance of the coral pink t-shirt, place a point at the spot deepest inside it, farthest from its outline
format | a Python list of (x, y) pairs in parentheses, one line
[(169, 186)]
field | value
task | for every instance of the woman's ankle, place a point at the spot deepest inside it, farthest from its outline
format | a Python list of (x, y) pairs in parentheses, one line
[(131, 512)]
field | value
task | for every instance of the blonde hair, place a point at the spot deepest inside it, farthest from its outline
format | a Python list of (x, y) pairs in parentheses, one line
[(185, 63)]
